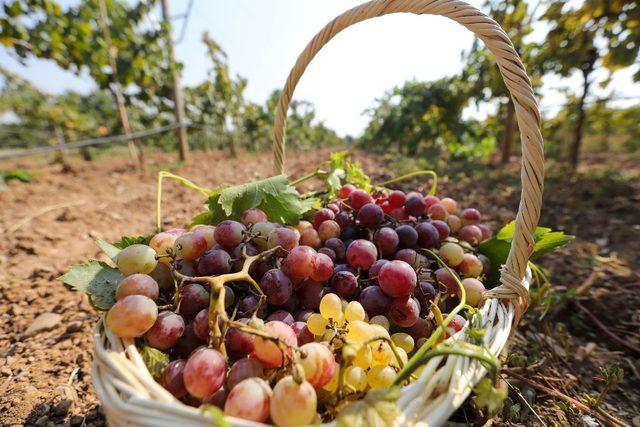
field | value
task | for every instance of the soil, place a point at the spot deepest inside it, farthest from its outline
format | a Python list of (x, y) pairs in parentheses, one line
[(51, 222)]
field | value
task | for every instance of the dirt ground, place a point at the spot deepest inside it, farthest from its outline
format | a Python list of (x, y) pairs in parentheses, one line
[(45, 364)]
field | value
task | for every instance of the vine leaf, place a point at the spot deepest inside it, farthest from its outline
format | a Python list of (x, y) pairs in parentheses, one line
[(343, 171), (96, 279), (279, 200), (109, 249), (132, 240), (154, 359)]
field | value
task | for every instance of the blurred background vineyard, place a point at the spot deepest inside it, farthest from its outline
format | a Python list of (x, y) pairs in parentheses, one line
[(137, 83)]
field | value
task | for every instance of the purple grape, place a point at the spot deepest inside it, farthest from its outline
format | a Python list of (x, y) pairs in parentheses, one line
[(386, 240), (310, 294), (407, 236), (238, 343), (291, 305), (443, 228), (409, 256), (348, 233), (214, 262), (343, 219), (423, 328), (193, 298), (374, 301), (243, 369), (337, 246), (428, 236), (166, 331), (370, 215), (328, 252), (344, 284), (448, 280), (249, 304), (188, 342), (276, 286), (343, 267), (229, 233), (375, 269), (425, 293), (405, 312), (172, 378), (281, 315), (415, 205), (303, 333), (303, 315), (361, 254)]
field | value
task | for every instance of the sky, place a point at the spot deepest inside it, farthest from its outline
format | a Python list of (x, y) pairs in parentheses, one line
[(263, 38)]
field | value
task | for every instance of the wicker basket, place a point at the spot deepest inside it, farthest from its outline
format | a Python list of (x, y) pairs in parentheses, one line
[(129, 394)]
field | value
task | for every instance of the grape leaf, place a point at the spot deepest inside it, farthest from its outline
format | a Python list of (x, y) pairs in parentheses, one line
[(109, 249), (154, 359), (489, 397), (132, 240), (96, 279), (343, 171), (205, 217), (279, 200)]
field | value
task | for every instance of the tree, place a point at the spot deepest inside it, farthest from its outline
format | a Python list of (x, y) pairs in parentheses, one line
[(103, 37), (483, 75), (597, 32)]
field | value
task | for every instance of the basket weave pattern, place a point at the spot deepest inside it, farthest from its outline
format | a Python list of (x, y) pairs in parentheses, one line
[(129, 394)]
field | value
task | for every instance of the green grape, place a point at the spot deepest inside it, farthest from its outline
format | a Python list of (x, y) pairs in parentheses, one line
[(363, 357), (452, 254), (355, 377), (332, 385), (380, 320), (358, 332), (404, 341), (382, 354), (354, 311), (317, 324), (136, 259), (331, 307), (381, 376)]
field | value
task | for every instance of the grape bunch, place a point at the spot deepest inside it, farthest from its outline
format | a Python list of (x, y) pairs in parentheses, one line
[(281, 323)]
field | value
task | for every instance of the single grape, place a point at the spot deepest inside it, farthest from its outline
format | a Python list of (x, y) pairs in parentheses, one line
[(243, 369), (162, 244), (354, 311), (409, 256), (363, 357), (450, 205), (260, 232), (382, 354), (344, 283), (343, 218), (397, 198), (283, 237), (381, 376), (437, 211), (193, 298), (318, 363), (229, 234), (428, 236), (333, 207), (238, 343), (267, 351), (136, 259), (359, 332), (486, 232), (303, 333), (249, 400), (374, 270), (137, 284), (380, 320), (132, 316), (186, 267), (407, 236), (303, 225), (431, 200), (330, 306), (425, 293), (328, 252), (253, 216), (166, 331), (201, 324), (207, 232), (405, 312), (311, 238), (204, 372), (397, 279), (452, 254), (415, 205), (337, 246), (321, 216), (370, 215), (386, 240), (456, 324), (190, 245), (399, 214), (345, 190), (361, 254), (423, 328), (310, 294), (317, 324), (374, 301), (300, 262), (162, 275), (443, 228), (214, 262), (470, 216), (188, 342), (359, 198), (471, 234), (454, 223), (322, 268), (356, 378), (172, 378), (448, 280), (404, 341), (471, 266), (293, 404), (474, 291), (251, 304), (328, 229), (276, 286)]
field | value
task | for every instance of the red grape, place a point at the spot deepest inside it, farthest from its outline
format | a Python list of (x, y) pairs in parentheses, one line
[(343, 219), (375, 301), (238, 343), (250, 400), (138, 284), (276, 286), (193, 298), (471, 266), (359, 198), (437, 211), (405, 312), (450, 205), (283, 237), (205, 372), (253, 216), (300, 262), (337, 246), (370, 215), (415, 205), (214, 262), (448, 280), (229, 234), (456, 324), (132, 316), (190, 246), (361, 254), (328, 229), (166, 331), (243, 369), (344, 284), (471, 234), (431, 200), (486, 231), (397, 279), (318, 363), (303, 333), (425, 293), (321, 216), (386, 240), (172, 378), (188, 342), (345, 190), (282, 316), (409, 256), (310, 294), (293, 404), (207, 232), (470, 216), (397, 198), (267, 351), (322, 268)]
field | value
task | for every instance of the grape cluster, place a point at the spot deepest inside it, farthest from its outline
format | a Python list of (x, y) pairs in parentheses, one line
[(274, 322)]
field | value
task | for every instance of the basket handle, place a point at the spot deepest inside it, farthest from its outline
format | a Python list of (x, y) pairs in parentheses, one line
[(519, 86)]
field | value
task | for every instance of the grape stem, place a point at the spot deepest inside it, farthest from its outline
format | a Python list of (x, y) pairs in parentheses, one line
[(165, 174), (317, 172), (434, 186)]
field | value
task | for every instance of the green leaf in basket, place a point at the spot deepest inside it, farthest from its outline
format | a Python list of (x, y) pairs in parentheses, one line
[(96, 279), (377, 409), (279, 200), (497, 248), (109, 249), (215, 413), (154, 359)]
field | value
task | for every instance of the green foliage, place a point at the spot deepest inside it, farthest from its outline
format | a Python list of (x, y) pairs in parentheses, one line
[(96, 279), (488, 396), (279, 200), (109, 249), (154, 359), (343, 171), (425, 119), (132, 240), (19, 174), (497, 248)]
